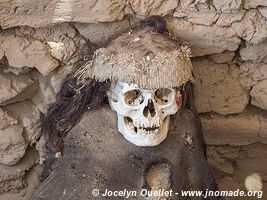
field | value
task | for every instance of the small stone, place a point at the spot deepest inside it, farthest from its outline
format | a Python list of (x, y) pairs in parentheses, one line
[(259, 95), (58, 154), (252, 28), (13, 177), (254, 52), (12, 144), (16, 88), (23, 52), (29, 116), (257, 71), (263, 11), (229, 18), (136, 39), (6, 120), (253, 182)]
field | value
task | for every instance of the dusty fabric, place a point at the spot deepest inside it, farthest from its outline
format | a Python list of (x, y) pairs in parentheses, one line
[(145, 58), (98, 157)]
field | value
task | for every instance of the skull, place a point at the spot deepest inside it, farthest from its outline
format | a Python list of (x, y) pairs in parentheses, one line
[(143, 115)]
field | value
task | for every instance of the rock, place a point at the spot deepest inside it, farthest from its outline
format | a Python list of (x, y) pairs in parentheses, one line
[(57, 49), (62, 39), (252, 28), (254, 3), (45, 94), (31, 180), (60, 32), (28, 115), (197, 12), (202, 16), (224, 57), (41, 147), (253, 182), (12, 144), (217, 88), (152, 7), (41, 13), (246, 80), (6, 120), (2, 53), (16, 71), (16, 88), (263, 128), (263, 11), (254, 52), (227, 152), (241, 129), (226, 19), (102, 32), (27, 52), (184, 9), (204, 40), (222, 158), (12, 178), (6, 68), (259, 95), (258, 71), (62, 51), (227, 6)]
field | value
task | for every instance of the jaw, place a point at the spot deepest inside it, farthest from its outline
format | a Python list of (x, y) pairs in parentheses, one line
[(151, 136)]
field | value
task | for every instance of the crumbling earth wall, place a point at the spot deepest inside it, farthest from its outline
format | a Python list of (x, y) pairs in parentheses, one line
[(39, 39)]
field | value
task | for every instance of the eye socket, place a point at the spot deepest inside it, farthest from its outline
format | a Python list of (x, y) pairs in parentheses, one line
[(133, 98), (163, 96)]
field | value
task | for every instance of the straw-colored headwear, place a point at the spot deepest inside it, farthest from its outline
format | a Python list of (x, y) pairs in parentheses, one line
[(147, 59)]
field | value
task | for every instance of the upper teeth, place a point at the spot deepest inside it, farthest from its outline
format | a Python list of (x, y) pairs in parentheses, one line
[(150, 126), (142, 129), (146, 123)]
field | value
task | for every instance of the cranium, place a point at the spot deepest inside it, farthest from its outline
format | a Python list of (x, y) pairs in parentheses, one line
[(143, 115)]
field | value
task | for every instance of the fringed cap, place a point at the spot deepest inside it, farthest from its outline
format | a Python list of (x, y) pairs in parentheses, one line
[(147, 59)]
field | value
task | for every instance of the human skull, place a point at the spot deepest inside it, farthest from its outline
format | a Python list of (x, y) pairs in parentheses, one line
[(143, 115)]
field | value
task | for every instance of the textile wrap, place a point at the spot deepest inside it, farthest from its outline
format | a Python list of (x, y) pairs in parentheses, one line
[(98, 157)]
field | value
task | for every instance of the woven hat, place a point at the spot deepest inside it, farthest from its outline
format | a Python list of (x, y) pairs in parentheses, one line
[(147, 59)]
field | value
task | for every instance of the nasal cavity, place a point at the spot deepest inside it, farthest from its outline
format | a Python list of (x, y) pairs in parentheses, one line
[(149, 109)]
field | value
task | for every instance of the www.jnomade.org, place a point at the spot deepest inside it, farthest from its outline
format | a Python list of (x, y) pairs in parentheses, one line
[(168, 193)]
